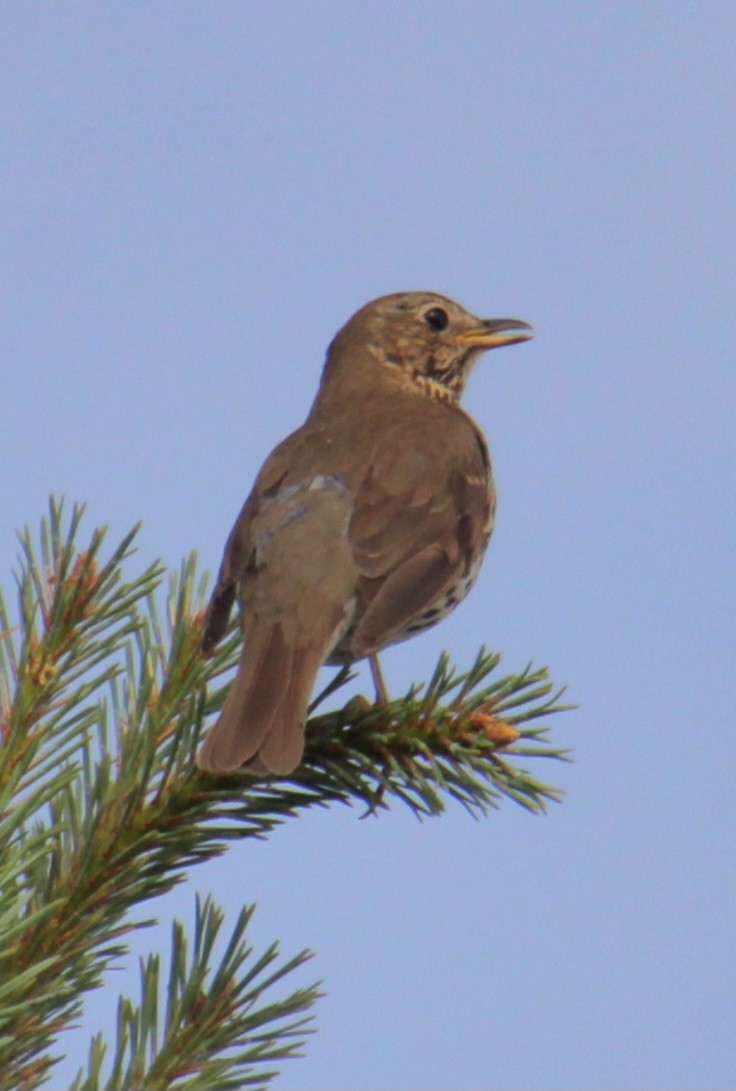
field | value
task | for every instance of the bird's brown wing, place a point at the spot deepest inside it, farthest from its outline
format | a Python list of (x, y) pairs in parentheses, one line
[(418, 525), (240, 545), (226, 587), (288, 561)]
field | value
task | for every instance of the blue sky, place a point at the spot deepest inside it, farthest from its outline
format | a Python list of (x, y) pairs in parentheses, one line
[(194, 198)]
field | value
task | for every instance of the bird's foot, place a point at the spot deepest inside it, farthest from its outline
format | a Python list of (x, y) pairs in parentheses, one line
[(382, 697)]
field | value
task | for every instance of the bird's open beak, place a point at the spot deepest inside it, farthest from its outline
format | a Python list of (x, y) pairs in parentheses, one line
[(495, 332)]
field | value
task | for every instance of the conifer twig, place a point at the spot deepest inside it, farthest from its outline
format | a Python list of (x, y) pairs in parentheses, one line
[(214, 1030), (104, 694)]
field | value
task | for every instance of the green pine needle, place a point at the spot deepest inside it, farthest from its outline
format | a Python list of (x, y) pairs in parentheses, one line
[(214, 1029), (104, 695)]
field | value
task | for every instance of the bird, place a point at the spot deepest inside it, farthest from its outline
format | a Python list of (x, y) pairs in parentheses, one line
[(364, 527)]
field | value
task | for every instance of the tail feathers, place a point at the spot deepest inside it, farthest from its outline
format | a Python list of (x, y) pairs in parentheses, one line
[(263, 715), (283, 746)]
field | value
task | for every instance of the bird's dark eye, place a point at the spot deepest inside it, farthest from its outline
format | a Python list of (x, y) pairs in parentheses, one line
[(437, 319)]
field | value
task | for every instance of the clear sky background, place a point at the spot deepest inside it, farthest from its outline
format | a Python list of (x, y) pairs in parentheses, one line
[(194, 198)]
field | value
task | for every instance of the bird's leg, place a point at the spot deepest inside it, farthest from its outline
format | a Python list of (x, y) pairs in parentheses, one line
[(382, 697)]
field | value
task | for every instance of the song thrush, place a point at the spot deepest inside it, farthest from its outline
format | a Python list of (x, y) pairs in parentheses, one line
[(365, 526)]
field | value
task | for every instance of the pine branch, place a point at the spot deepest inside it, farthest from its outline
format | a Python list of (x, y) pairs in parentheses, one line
[(423, 748), (215, 1031), (102, 703)]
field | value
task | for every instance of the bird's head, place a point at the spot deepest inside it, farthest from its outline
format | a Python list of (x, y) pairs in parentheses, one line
[(429, 342)]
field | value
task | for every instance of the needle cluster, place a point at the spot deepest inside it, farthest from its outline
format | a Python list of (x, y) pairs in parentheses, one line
[(104, 693)]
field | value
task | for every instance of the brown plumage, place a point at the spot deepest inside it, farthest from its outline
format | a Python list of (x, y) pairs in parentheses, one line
[(366, 525)]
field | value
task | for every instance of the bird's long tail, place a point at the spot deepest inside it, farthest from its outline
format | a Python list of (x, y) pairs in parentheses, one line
[(262, 720)]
